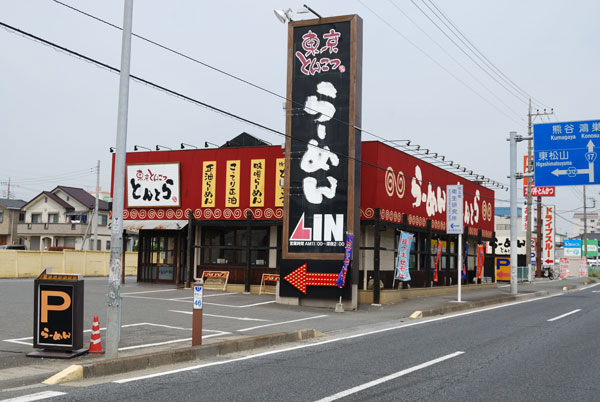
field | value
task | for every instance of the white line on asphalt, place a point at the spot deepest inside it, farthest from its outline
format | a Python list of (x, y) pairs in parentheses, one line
[(192, 297), (387, 378), (222, 316), (154, 298), (588, 287), (242, 306), (35, 397), (504, 286), (311, 345), (147, 345), (38, 385), (148, 291), (281, 323), (564, 315)]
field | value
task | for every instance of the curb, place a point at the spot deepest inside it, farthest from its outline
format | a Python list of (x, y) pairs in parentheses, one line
[(132, 363), (470, 305)]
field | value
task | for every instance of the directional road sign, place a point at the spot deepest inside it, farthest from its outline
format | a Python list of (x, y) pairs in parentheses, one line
[(565, 153), (454, 209)]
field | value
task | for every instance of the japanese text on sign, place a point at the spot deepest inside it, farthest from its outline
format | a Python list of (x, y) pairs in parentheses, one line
[(548, 235), (279, 177), (209, 173), (454, 209), (257, 183), (154, 185), (232, 195), (310, 58)]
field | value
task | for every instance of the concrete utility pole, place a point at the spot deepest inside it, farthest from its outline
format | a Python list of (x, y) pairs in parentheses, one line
[(513, 212), (113, 332), (538, 268), (95, 222)]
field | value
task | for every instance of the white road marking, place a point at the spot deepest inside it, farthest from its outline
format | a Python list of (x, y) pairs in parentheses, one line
[(35, 397), (221, 316), (148, 345), (149, 291), (242, 306), (280, 323), (387, 378), (205, 295), (564, 315), (504, 286), (315, 344), (38, 385), (595, 291), (154, 298)]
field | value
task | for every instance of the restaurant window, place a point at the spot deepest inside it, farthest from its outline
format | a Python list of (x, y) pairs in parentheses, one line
[(227, 246)]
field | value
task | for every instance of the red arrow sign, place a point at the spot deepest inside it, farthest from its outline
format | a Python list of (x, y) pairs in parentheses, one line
[(549, 261), (301, 279)]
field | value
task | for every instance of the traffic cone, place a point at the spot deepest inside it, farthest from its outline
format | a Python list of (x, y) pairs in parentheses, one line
[(95, 341)]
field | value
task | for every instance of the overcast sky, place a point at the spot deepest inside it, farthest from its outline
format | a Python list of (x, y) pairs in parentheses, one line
[(58, 115)]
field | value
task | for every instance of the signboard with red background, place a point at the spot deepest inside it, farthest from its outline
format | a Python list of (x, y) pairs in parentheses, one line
[(191, 165), (399, 183), (544, 191)]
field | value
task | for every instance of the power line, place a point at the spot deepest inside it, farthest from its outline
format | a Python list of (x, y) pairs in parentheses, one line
[(453, 58), (462, 50), (438, 63), (184, 97), (364, 131), (477, 51)]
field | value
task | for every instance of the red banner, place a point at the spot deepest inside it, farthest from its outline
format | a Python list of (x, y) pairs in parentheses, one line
[(480, 260), (438, 255)]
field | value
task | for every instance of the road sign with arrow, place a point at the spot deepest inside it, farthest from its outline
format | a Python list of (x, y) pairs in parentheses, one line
[(565, 153)]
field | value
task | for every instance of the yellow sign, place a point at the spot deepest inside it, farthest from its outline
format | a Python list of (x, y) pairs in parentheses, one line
[(502, 265), (279, 176), (232, 192), (209, 169), (257, 183)]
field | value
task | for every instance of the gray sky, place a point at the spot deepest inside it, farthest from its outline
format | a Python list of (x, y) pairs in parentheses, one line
[(59, 113)]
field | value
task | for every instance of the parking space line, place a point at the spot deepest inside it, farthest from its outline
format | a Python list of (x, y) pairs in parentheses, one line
[(564, 315), (149, 291), (242, 306), (36, 397), (222, 316), (190, 298), (148, 345), (281, 323)]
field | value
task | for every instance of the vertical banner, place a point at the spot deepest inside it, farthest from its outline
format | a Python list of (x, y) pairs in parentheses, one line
[(464, 267), (438, 255), (257, 183), (564, 266), (548, 235), (480, 260), (341, 281), (583, 268), (322, 179), (209, 174), (402, 262), (232, 192), (279, 181)]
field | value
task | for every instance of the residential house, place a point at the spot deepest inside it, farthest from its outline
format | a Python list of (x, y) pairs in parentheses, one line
[(9, 218), (63, 217)]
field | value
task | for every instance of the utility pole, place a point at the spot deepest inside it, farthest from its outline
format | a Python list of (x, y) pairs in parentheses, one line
[(95, 222), (113, 332), (513, 212), (538, 268)]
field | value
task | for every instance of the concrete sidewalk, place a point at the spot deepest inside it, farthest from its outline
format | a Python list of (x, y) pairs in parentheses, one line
[(88, 366)]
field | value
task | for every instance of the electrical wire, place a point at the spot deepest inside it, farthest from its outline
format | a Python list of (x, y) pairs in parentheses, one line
[(185, 97), (166, 48)]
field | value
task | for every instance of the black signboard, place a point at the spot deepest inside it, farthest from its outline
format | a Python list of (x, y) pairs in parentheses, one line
[(322, 149), (323, 182), (58, 315)]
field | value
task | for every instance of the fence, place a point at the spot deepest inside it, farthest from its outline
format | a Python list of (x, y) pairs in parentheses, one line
[(29, 264)]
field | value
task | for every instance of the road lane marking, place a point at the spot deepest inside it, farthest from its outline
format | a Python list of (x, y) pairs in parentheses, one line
[(280, 323), (148, 345), (242, 306), (35, 397), (222, 316), (564, 315), (333, 340), (192, 297), (387, 378)]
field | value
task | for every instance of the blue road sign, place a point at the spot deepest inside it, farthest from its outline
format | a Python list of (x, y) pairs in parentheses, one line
[(565, 153), (454, 209)]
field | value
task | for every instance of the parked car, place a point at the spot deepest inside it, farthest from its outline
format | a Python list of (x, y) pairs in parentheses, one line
[(12, 247)]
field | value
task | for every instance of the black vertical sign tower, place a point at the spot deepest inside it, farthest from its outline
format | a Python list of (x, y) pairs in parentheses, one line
[(322, 152)]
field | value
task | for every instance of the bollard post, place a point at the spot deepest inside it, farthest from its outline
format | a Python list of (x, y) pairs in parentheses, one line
[(197, 315)]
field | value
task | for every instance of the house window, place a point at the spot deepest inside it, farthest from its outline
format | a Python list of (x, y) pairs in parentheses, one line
[(108, 244), (52, 218), (228, 246), (1, 216), (102, 220), (36, 218), (21, 217)]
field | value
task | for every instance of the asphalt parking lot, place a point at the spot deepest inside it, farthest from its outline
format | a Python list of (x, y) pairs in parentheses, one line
[(152, 316)]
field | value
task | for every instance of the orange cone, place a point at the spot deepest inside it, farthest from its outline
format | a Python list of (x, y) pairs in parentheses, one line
[(95, 341)]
